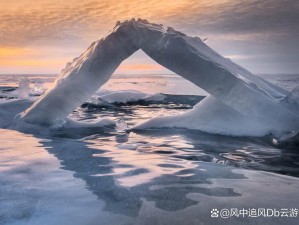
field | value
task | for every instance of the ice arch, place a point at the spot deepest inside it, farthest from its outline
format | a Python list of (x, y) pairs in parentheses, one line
[(231, 85)]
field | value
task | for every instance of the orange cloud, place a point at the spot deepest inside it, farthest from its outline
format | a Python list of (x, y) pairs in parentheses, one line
[(33, 62), (140, 67), (8, 52), (28, 59), (28, 27), (52, 21)]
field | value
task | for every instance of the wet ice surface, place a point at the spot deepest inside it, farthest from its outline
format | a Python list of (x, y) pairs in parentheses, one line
[(100, 176), (148, 178)]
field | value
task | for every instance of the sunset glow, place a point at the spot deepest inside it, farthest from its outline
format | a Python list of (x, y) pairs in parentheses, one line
[(47, 34)]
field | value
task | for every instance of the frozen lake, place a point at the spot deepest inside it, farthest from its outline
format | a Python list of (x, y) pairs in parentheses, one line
[(163, 176)]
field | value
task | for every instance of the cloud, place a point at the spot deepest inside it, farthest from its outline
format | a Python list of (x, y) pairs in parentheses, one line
[(31, 21), (13, 52), (248, 27)]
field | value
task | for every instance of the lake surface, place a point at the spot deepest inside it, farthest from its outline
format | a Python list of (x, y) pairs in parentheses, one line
[(163, 176)]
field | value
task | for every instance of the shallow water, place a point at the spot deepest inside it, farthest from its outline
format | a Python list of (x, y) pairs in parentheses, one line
[(174, 176)]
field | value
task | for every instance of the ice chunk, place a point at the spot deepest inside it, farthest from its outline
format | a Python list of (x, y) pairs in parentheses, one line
[(292, 100), (233, 86), (121, 125), (38, 89), (23, 90), (123, 96), (212, 116), (130, 96)]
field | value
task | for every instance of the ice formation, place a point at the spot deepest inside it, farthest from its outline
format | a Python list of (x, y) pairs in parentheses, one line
[(121, 125), (23, 90), (129, 96), (212, 116), (240, 103)]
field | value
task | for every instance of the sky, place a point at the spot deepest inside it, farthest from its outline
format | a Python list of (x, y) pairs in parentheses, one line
[(42, 36)]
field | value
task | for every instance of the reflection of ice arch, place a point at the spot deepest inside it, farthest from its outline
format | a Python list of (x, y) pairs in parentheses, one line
[(249, 97), (166, 186)]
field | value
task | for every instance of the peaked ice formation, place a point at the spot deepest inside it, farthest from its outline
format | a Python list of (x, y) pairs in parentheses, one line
[(253, 105)]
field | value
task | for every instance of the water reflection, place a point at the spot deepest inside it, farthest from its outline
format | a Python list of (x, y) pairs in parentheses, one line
[(240, 152), (122, 176), (135, 162), (154, 177)]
